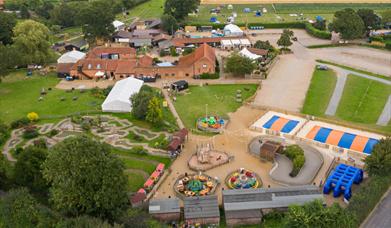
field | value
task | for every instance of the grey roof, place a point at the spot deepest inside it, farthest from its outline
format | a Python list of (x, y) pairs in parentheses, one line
[(123, 34), (256, 213), (261, 198), (146, 32), (164, 206), (201, 207), (139, 42)]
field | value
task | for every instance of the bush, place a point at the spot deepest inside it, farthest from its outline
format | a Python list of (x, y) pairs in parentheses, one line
[(209, 76), (22, 122), (32, 116), (296, 155), (367, 196), (316, 32), (30, 132), (4, 133), (76, 119), (53, 132), (160, 142), (138, 150)]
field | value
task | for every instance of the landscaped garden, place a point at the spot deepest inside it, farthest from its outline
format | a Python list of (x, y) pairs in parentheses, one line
[(210, 100), (363, 100), (319, 93)]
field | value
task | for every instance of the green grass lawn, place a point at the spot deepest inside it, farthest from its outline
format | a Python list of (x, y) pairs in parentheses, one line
[(19, 96), (319, 93), (146, 10), (135, 181), (363, 100), (220, 99), (280, 13)]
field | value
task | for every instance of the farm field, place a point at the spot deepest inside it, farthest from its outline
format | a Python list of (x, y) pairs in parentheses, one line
[(363, 100), (221, 100), (146, 10), (280, 13), (319, 93), (19, 96)]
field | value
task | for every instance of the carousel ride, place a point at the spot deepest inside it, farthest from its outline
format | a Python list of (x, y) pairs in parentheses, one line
[(190, 185), (211, 124), (243, 179)]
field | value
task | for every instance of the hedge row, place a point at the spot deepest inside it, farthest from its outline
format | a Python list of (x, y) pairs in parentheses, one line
[(367, 196), (316, 32), (296, 155), (265, 25)]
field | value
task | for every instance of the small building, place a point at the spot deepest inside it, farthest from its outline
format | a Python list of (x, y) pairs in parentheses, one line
[(165, 210), (246, 53), (118, 25), (179, 85), (247, 206), (269, 149), (233, 30), (118, 99), (140, 42), (76, 45), (137, 200), (122, 37), (202, 210), (178, 139), (66, 61)]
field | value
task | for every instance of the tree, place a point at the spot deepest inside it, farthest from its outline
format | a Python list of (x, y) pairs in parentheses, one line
[(379, 163), (314, 214), (140, 102), (169, 24), (348, 23), (28, 169), (63, 14), (10, 58), (32, 39), (386, 16), (239, 65), (285, 40), (24, 12), (370, 19), (85, 178), (264, 45), (4, 133), (96, 20), (179, 9), (7, 23), (5, 174), (154, 113), (44, 9)]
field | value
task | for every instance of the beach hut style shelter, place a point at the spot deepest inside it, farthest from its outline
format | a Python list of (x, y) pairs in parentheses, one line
[(118, 99)]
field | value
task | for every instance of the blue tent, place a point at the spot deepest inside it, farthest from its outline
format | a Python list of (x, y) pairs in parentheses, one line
[(246, 10), (213, 19), (258, 13), (319, 18)]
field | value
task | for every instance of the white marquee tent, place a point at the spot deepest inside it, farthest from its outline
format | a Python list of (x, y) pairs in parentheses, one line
[(118, 99), (232, 30), (246, 53), (71, 57)]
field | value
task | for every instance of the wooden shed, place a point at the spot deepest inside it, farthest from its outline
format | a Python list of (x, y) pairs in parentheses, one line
[(165, 210), (202, 210), (269, 149)]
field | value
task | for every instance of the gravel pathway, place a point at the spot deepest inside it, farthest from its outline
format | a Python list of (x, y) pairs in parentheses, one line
[(385, 117), (337, 94)]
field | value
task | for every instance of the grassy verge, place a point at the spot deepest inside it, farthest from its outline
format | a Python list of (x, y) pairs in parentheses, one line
[(135, 181), (220, 100), (319, 93), (354, 69), (363, 100)]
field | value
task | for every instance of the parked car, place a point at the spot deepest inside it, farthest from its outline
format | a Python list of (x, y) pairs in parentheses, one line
[(322, 67)]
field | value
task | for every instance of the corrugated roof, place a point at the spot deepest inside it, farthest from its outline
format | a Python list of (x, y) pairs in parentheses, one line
[(243, 214), (246, 199), (164, 206), (201, 207)]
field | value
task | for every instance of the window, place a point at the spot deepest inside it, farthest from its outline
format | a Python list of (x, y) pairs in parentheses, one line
[(187, 75), (204, 66), (89, 66), (172, 74), (166, 74), (98, 66)]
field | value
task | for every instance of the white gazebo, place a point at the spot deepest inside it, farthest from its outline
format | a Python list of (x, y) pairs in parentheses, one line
[(118, 99)]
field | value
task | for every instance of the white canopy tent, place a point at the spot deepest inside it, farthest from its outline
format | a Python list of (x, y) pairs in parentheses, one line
[(118, 99), (246, 53), (118, 25), (232, 30), (71, 57)]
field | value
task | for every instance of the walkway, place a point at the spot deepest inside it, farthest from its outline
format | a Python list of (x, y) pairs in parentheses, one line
[(172, 109), (380, 216), (337, 94), (385, 117)]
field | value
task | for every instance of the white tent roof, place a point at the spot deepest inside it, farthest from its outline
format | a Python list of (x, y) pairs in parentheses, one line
[(71, 57), (235, 42), (226, 42), (232, 28), (246, 53), (118, 99), (245, 42), (117, 23)]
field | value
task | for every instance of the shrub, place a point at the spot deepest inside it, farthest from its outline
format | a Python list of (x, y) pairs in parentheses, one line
[(209, 76), (85, 125), (4, 133), (32, 116), (296, 155), (139, 150), (76, 119), (367, 196), (160, 142), (53, 132), (22, 122), (40, 143), (316, 32), (30, 132)]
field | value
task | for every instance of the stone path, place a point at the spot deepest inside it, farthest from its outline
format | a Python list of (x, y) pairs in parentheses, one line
[(337, 95), (385, 117)]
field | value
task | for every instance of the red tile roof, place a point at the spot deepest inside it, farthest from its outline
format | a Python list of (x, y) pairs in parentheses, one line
[(145, 61), (204, 51), (125, 67), (258, 51)]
